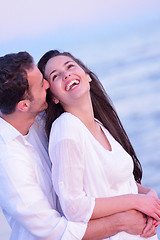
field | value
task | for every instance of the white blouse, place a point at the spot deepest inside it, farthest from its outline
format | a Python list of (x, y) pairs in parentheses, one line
[(83, 170)]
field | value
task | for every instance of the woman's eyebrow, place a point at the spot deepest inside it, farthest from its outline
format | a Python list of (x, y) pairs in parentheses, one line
[(67, 62), (63, 65), (52, 72)]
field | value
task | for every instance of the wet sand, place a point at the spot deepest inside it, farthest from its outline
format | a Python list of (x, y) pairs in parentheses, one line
[(4, 228)]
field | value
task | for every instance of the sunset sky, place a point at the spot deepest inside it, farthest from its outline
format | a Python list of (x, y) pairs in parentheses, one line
[(37, 26)]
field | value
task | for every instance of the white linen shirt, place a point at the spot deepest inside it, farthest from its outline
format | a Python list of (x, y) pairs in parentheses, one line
[(83, 170), (26, 193)]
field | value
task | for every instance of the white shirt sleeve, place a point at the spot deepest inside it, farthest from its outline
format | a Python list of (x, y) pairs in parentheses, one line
[(67, 176), (28, 204)]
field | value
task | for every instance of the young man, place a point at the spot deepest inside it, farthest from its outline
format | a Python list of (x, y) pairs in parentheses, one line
[(26, 195)]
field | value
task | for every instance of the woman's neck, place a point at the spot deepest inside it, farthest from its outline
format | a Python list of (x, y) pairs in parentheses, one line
[(84, 111)]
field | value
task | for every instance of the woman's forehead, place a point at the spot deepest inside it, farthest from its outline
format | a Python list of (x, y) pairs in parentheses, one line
[(59, 59), (55, 62)]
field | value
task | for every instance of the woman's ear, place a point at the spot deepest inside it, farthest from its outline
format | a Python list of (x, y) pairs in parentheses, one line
[(89, 78), (23, 105), (55, 100)]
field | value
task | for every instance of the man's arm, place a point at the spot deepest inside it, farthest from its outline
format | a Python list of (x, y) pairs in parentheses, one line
[(132, 222), (22, 198)]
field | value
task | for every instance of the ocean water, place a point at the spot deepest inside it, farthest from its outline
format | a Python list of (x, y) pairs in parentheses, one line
[(129, 68), (133, 83), (128, 65), (130, 73)]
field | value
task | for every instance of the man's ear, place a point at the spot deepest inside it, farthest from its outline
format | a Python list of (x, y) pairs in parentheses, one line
[(23, 105)]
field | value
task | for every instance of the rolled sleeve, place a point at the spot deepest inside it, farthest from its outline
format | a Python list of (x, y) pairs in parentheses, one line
[(67, 176), (74, 231)]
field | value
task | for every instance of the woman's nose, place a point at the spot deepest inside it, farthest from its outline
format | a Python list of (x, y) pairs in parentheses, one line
[(66, 75)]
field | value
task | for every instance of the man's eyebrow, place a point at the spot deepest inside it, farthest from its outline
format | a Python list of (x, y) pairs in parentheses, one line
[(63, 65)]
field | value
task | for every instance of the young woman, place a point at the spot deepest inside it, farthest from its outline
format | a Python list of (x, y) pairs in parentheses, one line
[(95, 170)]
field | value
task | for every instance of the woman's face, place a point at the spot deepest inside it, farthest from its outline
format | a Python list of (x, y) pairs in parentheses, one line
[(68, 81)]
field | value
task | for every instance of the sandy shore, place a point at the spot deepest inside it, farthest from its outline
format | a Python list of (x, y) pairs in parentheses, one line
[(4, 228)]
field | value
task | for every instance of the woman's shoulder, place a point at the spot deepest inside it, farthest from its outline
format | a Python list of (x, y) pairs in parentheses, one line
[(67, 119), (66, 125)]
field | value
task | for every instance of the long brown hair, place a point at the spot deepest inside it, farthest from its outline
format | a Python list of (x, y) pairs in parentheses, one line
[(103, 109)]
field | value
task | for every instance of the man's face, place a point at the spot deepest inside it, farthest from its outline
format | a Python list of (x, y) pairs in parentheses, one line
[(38, 86)]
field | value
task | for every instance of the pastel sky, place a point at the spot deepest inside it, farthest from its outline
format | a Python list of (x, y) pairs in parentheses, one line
[(24, 23)]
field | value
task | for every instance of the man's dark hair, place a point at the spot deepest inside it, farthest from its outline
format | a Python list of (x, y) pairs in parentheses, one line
[(14, 85)]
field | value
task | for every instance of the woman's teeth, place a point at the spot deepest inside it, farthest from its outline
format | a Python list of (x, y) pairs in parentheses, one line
[(72, 84)]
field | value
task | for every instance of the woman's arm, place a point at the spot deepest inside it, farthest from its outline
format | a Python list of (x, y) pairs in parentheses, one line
[(67, 178), (145, 190), (147, 204), (142, 189)]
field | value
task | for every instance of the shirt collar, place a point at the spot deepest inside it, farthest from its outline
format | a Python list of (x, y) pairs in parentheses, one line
[(7, 131)]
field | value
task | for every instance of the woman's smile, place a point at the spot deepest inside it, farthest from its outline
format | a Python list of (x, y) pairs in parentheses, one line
[(66, 76), (71, 84)]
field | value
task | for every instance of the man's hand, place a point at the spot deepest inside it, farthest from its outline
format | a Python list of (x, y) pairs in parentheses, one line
[(133, 222)]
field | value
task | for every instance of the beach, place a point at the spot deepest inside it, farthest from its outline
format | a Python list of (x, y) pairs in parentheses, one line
[(4, 228), (130, 72)]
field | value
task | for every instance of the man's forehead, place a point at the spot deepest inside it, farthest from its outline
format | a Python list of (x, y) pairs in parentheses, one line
[(34, 75), (32, 68), (34, 71)]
